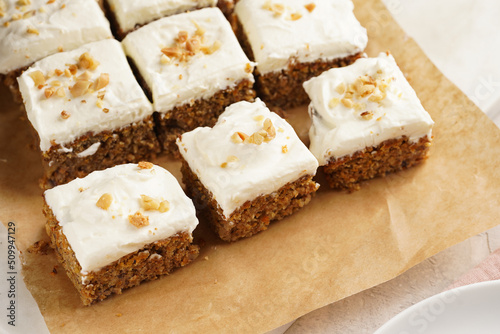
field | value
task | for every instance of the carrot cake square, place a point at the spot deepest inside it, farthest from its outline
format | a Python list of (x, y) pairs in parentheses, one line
[(88, 111), (193, 67), (248, 170), (367, 121), (295, 40), (127, 15), (119, 227), (33, 29)]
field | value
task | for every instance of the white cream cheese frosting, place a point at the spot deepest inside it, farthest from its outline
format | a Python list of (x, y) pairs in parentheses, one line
[(100, 236), (238, 172), (40, 28), (120, 103), (130, 13), (281, 31), (384, 106), (174, 82)]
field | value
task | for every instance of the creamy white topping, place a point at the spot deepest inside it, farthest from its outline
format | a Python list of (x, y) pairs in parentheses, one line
[(391, 111), (305, 31), (98, 236), (174, 82), (238, 172), (123, 103), (130, 13), (89, 151), (46, 29)]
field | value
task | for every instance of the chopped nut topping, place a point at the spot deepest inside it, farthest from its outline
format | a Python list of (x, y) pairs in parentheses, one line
[(277, 8), (138, 220), (182, 36), (340, 88), (165, 60), (32, 30), (65, 114), (239, 137), (6, 24), (105, 201), (86, 61), (284, 149), (310, 7), (172, 52), (164, 206), (73, 69), (84, 76), (58, 72), (248, 68), (101, 94), (49, 92), (105, 110), (256, 138), (60, 92), (295, 16), (29, 14), (42, 9), (102, 81), (223, 165), (149, 203), (38, 78), (80, 88), (55, 83), (211, 49), (333, 103), (281, 130), (99, 104), (16, 17), (367, 115), (50, 1), (145, 165), (347, 103), (193, 44), (67, 73), (259, 118), (24, 2), (232, 158)]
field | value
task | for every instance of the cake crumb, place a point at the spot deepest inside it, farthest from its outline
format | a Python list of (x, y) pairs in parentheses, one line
[(41, 247), (138, 220), (206, 258), (145, 165), (105, 201), (54, 270)]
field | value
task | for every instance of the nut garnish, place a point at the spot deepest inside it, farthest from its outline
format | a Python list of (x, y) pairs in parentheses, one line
[(258, 118), (193, 44), (105, 201), (60, 92), (24, 2), (65, 114), (80, 88), (50, 1), (367, 115), (267, 134), (102, 81), (138, 220), (310, 7), (145, 165), (239, 137), (86, 61), (38, 78), (284, 149), (164, 206), (333, 103), (295, 16), (84, 76), (29, 14), (186, 47), (148, 203), (49, 92), (55, 83), (58, 72), (277, 8), (232, 158), (248, 68), (182, 36)]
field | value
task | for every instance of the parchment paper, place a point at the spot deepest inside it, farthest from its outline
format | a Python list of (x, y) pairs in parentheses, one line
[(338, 245)]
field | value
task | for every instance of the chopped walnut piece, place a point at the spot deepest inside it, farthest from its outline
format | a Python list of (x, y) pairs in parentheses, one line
[(211, 49), (340, 88), (86, 61), (38, 78), (145, 165), (16, 17), (182, 36), (60, 92), (232, 158), (55, 83), (270, 129), (295, 16), (333, 103), (29, 14), (99, 104), (310, 7), (138, 220), (24, 2), (101, 94), (193, 44), (258, 118), (256, 138), (49, 92), (67, 73), (58, 72), (85, 76), (172, 52), (277, 8), (105, 201), (165, 60), (65, 114), (223, 165), (367, 115), (284, 149), (376, 97), (347, 103), (164, 206), (239, 137), (80, 88), (149, 203), (73, 69), (50, 1), (102, 81)]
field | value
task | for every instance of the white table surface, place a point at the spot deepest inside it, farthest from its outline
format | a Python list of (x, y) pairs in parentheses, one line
[(462, 37)]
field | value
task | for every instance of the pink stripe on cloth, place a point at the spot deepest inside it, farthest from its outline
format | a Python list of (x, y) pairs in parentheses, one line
[(488, 270)]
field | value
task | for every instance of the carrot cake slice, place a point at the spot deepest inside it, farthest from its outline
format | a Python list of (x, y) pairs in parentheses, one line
[(367, 121), (33, 29), (193, 67), (248, 170), (295, 40), (119, 227), (127, 15), (88, 111)]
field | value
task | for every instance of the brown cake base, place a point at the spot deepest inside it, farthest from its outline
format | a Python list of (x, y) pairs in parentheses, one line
[(284, 88), (390, 156), (149, 263), (10, 80), (226, 6), (253, 216), (130, 144), (202, 112)]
